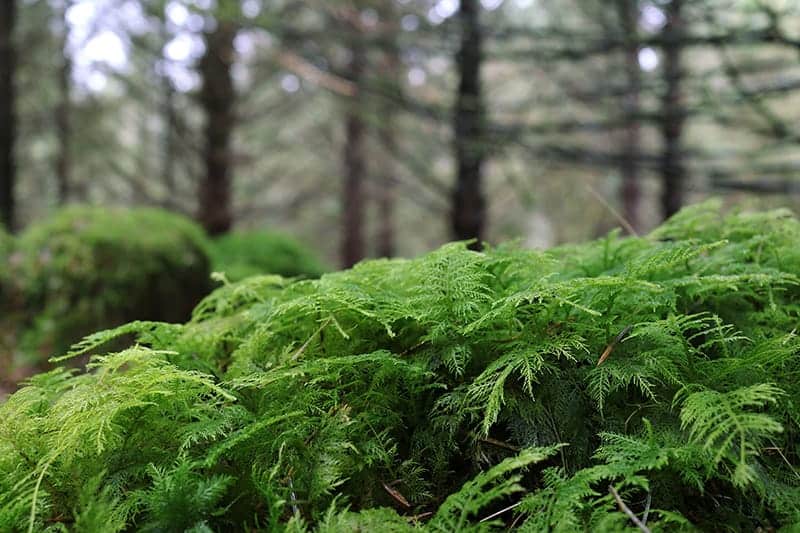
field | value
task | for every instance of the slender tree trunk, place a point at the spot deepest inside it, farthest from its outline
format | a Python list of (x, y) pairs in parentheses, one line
[(468, 214), (386, 195), (630, 190), (673, 174), (168, 119), (63, 126), (354, 163), (217, 99), (168, 155), (7, 113), (386, 192)]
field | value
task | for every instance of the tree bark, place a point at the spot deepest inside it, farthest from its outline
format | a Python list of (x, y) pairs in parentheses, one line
[(8, 131), (468, 214), (673, 173), (63, 125), (217, 98), (168, 155), (354, 165), (168, 119), (630, 190), (386, 194)]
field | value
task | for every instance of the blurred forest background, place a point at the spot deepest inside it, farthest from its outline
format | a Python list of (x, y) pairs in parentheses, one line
[(374, 128)]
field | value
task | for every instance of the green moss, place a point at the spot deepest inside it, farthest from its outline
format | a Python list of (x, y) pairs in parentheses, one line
[(438, 392), (249, 253), (90, 268)]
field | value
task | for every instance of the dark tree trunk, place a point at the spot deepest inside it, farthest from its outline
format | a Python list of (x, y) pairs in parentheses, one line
[(354, 164), (468, 214), (217, 98), (673, 174), (7, 113), (386, 194), (630, 191), (63, 126)]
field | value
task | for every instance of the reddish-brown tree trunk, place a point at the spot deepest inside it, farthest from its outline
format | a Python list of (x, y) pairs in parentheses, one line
[(468, 214), (8, 128), (673, 173), (354, 165), (386, 194), (218, 98), (630, 190)]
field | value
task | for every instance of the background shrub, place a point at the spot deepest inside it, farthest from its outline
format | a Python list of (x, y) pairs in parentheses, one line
[(89, 268), (249, 253), (459, 391)]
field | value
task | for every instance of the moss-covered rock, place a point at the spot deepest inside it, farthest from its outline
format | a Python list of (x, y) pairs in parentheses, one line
[(248, 253), (89, 268)]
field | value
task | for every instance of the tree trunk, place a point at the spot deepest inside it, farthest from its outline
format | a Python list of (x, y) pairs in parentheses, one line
[(468, 216), (386, 194), (386, 190), (168, 119), (630, 190), (7, 113), (354, 164), (168, 155), (673, 174), (63, 126), (217, 98)]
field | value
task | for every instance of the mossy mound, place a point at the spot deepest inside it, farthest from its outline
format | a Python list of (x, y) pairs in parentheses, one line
[(461, 391), (250, 253), (90, 268)]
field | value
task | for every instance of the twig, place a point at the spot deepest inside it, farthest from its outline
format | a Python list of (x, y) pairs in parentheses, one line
[(780, 452), (312, 73), (501, 511), (624, 508), (395, 494), (418, 517), (610, 348), (622, 222), (647, 508), (514, 523), (302, 348), (500, 444)]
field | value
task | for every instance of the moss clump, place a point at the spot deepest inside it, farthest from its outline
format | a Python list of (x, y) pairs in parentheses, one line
[(250, 253), (89, 268), (438, 392)]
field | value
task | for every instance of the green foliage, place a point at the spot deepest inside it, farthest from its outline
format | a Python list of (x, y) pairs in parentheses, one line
[(249, 253), (90, 268), (459, 391), (5, 244)]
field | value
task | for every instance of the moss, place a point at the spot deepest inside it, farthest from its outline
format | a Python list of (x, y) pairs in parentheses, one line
[(249, 253), (89, 268), (458, 391)]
